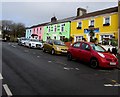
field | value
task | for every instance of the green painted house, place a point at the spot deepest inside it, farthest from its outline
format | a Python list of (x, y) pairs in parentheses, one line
[(57, 29)]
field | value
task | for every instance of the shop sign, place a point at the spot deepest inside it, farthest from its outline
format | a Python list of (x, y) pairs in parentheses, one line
[(96, 30)]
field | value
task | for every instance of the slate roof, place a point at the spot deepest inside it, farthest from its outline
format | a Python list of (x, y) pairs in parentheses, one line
[(96, 13)]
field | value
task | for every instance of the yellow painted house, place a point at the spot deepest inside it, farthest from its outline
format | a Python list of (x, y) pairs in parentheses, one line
[(104, 24)]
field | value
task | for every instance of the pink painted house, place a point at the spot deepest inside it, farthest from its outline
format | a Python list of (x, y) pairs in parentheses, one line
[(37, 31)]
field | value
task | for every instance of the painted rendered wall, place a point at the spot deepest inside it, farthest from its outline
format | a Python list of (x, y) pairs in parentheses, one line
[(28, 33), (39, 31), (58, 31), (111, 29)]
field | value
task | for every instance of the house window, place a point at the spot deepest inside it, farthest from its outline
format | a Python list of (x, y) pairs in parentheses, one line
[(62, 27), (54, 37), (79, 25), (55, 28), (106, 21), (40, 31), (62, 38), (105, 39), (92, 22), (79, 38), (49, 29), (48, 37), (39, 37), (37, 30)]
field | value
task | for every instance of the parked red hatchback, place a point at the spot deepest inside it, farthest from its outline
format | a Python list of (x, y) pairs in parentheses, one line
[(92, 53)]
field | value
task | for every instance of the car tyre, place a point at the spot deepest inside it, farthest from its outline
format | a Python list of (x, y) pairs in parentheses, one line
[(29, 45), (94, 63), (53, 52), (69, 56), (44, 49)]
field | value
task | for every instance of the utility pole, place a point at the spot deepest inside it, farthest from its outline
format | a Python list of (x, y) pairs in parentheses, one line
[(119, 26)]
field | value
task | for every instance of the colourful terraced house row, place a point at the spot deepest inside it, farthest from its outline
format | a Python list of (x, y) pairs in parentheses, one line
[(104, 24)]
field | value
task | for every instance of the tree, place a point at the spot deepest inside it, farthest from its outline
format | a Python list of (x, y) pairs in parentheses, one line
[(14, 30), (6, 27)]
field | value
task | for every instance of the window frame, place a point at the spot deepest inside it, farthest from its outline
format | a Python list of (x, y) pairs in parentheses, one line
[(84, 44), (104, 21), (76, 46), (62, 26), (79, 27)]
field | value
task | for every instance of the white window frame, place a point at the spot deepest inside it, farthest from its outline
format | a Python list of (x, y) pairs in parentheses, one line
[(105, 18), (61, 27), (90, 22), (78, 24), (55, 26), (48, 29), (79, 37)]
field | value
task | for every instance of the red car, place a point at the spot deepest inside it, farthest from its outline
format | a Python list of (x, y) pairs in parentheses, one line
[(92, 53)]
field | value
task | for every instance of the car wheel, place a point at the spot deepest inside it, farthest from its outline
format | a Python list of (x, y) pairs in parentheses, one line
[(94, 63), (44, 49), (23, 44), (29, 45), (53, 52), (69, 56)]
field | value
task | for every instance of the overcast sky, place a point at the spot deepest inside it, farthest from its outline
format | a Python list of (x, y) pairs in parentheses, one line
[(31, 13)]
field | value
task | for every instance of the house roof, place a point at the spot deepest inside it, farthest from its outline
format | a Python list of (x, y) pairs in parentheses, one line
[(100, 12), (43, 24), (62, 20)]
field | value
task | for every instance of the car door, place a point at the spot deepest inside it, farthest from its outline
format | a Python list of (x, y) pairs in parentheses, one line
[(76, 50), (85, 52), (49, 45)]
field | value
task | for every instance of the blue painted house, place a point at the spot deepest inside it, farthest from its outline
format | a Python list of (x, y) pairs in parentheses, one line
[(28, 32)]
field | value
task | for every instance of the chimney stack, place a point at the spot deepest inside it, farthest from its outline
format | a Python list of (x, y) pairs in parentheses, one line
[(81, 11), (53, 19)]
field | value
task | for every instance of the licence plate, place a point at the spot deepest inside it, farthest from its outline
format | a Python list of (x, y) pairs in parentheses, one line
[(112, 63), (64, 51)]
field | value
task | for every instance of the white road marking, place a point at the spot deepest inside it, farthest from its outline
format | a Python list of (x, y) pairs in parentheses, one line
[(7, 90), (66, 68), (1, 76), (13, 46), (49, 61), (77, 68)]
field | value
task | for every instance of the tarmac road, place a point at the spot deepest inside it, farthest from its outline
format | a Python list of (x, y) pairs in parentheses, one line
[(32, 72)]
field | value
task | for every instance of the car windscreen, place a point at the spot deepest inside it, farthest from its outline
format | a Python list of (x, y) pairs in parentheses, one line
[(57, 42), (98, 48)]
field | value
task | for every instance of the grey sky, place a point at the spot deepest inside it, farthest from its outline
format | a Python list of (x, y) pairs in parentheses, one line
[(31, 13)]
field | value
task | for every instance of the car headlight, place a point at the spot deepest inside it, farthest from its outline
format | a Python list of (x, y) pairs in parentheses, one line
[(58, 48), (102, 55)]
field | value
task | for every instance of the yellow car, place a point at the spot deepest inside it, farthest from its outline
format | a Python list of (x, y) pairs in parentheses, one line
[(55, 47)]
